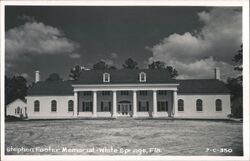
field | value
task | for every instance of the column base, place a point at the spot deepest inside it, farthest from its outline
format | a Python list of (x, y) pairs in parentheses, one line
[(114, 116), (134, 116), (94, 116), (154, 115)]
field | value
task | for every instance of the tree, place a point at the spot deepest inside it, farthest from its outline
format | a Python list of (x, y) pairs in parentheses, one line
[(161, 65), (54, 77), (75, 72), (238, 60), (15, 87), (235, 86), (157, 65), (173, 72), (102, 65), (236, 97), (130, 64)]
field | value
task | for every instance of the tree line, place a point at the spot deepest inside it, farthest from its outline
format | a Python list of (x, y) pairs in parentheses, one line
[(75, 72)]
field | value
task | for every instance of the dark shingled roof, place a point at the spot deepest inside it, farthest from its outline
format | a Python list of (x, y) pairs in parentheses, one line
[(51, 88), (200, 86), (187, 86), (125, 76)]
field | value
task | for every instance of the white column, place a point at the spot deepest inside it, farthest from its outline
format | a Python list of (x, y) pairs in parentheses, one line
[(75, 112), (114, 104), (134, 104), (94, 103), (175, 110), (154, 103)]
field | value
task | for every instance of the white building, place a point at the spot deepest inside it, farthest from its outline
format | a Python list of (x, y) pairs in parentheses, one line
[(17, 108), (129, 93)]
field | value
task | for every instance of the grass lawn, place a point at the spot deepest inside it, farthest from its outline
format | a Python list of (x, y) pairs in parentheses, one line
[(168, 137)]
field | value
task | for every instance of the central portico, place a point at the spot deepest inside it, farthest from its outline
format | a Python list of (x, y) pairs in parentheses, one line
[(132, 100)]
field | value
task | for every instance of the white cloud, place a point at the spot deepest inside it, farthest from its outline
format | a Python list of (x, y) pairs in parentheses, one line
[(75, 56), (25, 75), (113, 55), (27, 18), (108, 62), (36, 38), (196, 54)]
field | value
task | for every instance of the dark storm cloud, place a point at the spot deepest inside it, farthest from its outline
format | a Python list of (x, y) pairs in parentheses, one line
[(112, 34)]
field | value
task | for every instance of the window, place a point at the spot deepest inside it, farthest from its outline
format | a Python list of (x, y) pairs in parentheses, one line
[(18, 110), (87, 106), (143, 93), (124, 93), (105, 106), (36, 106), (162, 92), (106, 77), (142, 77), (143, 106), (180, 105), (218, 105), (162, 106), (70, 105), (53, 106), (105, 93), (199, 105)]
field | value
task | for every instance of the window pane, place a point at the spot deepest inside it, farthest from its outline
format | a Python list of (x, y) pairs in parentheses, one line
[(70, 105), (180, 105), (36, 106), (53, 106), (218, 105), (199, 105)]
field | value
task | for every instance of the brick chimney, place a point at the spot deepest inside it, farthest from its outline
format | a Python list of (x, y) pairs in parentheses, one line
[(37, 76), (217, 73)]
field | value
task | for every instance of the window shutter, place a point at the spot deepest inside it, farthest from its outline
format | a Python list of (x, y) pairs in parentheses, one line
[(101, 106), (147, 106), (91, 106), (83, 106), (109, 106), (166, 105), (139, 105), (158, 106)]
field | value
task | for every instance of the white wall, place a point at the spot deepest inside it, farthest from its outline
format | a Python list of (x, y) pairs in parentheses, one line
[(45, 107), (209, 111), (10, 108)]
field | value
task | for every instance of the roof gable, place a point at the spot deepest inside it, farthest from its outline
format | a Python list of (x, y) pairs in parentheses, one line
[(15, 101)]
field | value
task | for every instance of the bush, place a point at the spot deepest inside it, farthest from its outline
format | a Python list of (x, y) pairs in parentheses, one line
[(12, 118)]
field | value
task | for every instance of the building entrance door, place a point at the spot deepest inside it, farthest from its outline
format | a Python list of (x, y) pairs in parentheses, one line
[(124, 109)]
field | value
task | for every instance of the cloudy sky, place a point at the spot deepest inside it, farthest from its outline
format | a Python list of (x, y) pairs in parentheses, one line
[(54, 39)]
